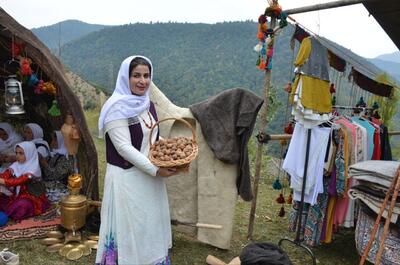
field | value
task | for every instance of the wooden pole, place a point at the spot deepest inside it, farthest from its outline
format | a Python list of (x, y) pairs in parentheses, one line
[(263, 125), (317, 7)]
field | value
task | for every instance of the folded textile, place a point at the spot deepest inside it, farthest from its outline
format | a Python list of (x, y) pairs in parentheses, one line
[(385, 170), (373, 190), (375, 203)]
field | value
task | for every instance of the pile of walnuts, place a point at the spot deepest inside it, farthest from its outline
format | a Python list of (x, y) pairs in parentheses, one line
[(172, 149)]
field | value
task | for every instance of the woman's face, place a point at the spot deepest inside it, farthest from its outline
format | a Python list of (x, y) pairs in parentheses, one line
[(140, 80), (3, 135), (20, 154), (28, 135), (54, 143)]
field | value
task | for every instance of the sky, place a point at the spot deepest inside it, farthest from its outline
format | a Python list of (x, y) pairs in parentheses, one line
[(349, 26)]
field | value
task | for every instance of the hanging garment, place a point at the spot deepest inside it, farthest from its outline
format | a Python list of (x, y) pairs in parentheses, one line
[(310, 93), (295, 161)]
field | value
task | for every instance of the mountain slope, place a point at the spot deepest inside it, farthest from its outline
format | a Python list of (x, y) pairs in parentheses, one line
[(390, 67), (191, 61), (64, 32), (393, 57)]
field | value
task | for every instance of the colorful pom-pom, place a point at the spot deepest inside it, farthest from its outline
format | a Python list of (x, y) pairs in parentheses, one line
[(280, 199), (277, 185), (332, 88), (288, 87), (54, 110), (260, 36), (289, 199), (262, 65), (32, 80), (281, 212), (262, 19), (270, 52), (26, 67), (289, 128)]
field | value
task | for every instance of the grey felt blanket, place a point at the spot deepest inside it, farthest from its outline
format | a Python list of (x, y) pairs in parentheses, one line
[(227, 121)]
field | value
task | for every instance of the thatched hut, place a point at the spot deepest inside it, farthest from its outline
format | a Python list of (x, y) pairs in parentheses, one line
[(48, 68)]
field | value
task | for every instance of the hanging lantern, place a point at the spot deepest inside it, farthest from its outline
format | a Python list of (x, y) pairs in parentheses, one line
[(14, 99)]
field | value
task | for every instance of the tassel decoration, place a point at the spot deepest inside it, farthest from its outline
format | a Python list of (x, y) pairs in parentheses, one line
[(277, 185), (262, 65), (289, 199), (289, 128), (281, 212), (54, 110), (280, 199), (332, 88), (288, 87)]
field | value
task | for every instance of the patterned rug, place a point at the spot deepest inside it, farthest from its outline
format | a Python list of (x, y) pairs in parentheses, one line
[(35, 227)]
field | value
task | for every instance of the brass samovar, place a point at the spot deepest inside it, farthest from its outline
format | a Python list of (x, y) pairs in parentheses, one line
[(75, 207)]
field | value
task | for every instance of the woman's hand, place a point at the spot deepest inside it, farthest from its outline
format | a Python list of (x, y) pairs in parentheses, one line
[(166, 172), (2, 182)]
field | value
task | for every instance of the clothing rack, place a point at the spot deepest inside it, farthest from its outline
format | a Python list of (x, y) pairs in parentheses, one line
[(350, 107), (298, 240)]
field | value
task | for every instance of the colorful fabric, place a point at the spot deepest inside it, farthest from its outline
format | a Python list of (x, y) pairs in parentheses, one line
[(315, 93), (391, 252), (34, 227), (313, 218)]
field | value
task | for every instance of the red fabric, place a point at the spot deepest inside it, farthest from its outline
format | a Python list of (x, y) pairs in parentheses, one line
[(376, 155), (40, 203)]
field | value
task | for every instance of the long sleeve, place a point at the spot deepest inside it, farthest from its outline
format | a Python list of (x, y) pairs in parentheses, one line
[(304, 52), (121, 139), (9, 181)]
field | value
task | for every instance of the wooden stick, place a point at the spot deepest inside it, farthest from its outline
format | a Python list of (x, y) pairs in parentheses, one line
[(378, 218), (235, 261), (199, 225), (387, 222), (263, 126), (211, 260)]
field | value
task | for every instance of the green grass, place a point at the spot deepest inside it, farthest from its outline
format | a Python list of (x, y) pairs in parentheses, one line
[(187, 251)]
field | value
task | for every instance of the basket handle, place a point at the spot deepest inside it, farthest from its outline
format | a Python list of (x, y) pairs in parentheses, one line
[(178, 119)]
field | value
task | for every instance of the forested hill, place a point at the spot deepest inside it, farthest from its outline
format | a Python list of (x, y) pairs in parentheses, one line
[(191, 61), (64, 32)]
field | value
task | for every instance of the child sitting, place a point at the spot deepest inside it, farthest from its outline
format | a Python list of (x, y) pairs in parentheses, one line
[(33, 132), (22, 179), (57, 169)]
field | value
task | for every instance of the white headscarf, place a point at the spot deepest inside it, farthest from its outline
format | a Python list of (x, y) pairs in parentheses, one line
[(12, 139), (31, 165), (37, 132), (123, 104), (60, 143)]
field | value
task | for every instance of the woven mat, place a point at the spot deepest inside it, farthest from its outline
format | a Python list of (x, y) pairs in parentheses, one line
[(35, 227)]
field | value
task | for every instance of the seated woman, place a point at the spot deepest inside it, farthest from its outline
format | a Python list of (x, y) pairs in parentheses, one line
[(33, 132), (8, 139), (57, 169), (22, 179)]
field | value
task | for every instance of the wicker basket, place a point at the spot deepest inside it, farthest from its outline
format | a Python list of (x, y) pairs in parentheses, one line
[(178, 163)]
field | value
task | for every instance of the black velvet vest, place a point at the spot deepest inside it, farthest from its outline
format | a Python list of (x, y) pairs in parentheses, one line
[(112, 155)]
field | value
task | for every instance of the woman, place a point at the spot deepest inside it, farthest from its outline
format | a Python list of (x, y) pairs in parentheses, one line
[(8, 139), (33, 132), (57, 169), (23, 180), (135, 221)]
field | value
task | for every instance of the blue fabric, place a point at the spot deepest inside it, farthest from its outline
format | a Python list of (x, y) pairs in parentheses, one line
[(3, 219), (370, 134)]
